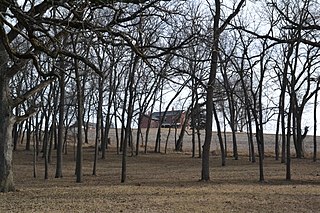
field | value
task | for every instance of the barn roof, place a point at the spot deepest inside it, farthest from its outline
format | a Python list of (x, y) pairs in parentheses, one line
[(173, 113)]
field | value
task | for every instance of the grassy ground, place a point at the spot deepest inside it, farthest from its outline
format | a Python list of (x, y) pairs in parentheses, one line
[(163, 183)]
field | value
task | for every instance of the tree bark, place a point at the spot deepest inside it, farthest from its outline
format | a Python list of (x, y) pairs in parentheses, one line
[(60, 125), (223, 156), (6, 126), (276, 146), (315, 125), (99, 126), (28, 142), (288, 165), (205, 172), (179, 143), (129, 120)]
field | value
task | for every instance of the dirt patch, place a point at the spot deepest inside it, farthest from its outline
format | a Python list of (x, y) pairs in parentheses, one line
[(163, 183)]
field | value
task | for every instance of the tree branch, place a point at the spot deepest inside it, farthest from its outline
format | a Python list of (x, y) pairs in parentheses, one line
[(29, 113), (28, 94)]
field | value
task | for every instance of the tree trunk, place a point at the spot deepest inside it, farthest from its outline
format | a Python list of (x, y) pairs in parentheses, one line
[(198, 125), (223, 156), (15, 133), (128, 130), (296, 132), (116, 128), (161, 119), (276, 146), (80, 125), (45, 145), (315, 125), (167, 141), (138, 133), (299, 136), (34, 159), (232, 125), (288, 165), (205, 171), (282, 105), (52, 136), (261, 158), (98, 127), (6, 126), (60, 125), (148, 126), (193, 115), (252, 157), (182, 132), (86, 129), (104, 142), (28, 142)]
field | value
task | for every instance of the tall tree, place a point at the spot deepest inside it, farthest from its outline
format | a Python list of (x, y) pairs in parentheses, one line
[(217, 30)]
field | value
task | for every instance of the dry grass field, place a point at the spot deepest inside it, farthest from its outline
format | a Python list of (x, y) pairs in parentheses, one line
[(163, 183)]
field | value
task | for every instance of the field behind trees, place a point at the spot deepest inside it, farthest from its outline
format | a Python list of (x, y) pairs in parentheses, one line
[(242, 141), (159, 182)]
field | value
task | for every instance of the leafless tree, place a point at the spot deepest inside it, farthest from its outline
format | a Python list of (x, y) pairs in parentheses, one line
[(217, 30)]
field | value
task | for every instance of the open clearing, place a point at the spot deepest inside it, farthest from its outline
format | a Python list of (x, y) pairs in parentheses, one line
[(163, 183)]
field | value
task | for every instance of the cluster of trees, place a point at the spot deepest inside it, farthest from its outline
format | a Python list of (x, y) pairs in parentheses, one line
[(66, 62)]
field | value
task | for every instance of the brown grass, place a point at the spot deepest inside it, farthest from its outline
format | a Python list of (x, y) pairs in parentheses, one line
[(163, 183)]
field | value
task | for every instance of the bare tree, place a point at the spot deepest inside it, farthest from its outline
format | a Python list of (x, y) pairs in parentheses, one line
[(217, 30)]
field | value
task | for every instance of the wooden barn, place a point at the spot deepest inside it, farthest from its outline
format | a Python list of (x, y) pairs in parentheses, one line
[(174, 118)]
